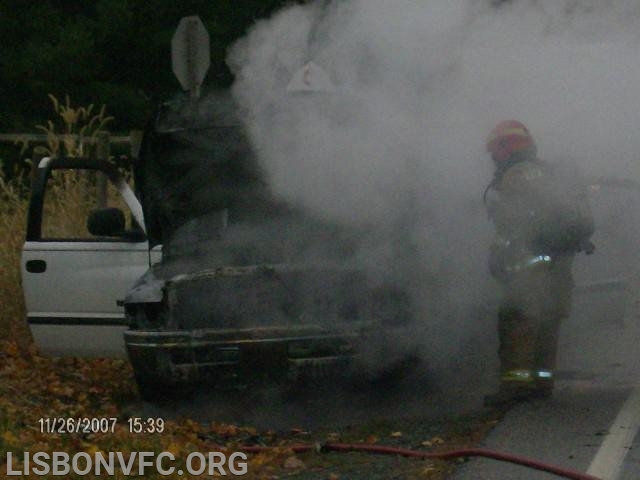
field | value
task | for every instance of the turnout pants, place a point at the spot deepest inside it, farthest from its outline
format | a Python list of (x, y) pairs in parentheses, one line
[(534, 304)]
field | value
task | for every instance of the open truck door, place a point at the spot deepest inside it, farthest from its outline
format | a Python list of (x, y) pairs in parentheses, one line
[(76, 270)]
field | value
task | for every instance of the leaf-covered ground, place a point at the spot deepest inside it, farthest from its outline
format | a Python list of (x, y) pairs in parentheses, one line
[(34, 387)]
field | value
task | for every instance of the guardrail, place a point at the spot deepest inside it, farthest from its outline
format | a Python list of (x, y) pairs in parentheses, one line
[(102, 151)]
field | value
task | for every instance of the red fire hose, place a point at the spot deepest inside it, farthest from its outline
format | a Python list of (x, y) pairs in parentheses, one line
[(404, 452)]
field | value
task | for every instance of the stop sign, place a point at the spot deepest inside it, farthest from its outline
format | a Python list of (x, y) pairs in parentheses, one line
[(190, 56)]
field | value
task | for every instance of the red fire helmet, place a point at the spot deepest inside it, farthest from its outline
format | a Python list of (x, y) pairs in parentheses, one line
[(507, 138)]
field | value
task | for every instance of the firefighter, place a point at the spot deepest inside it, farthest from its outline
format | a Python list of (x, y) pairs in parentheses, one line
[(542, 219)]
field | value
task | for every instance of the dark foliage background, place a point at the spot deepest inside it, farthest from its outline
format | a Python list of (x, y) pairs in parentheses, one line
[(113, 52)]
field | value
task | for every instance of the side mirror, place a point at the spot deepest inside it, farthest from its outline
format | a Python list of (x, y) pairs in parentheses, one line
[(106, 222)]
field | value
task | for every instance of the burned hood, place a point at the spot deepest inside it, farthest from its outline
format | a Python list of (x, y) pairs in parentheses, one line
[(195, 160)]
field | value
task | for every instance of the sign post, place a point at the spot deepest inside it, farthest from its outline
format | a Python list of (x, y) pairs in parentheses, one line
[(190, 55)]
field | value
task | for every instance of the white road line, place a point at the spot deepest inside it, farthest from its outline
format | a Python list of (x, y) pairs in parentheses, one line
[(610, 457)]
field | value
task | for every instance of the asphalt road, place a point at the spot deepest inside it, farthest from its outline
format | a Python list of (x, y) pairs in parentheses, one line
[(591, 423)]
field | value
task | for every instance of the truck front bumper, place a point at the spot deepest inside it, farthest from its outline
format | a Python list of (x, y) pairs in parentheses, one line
[(237, 357)]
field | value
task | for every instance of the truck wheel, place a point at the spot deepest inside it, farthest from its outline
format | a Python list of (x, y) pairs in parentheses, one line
[(151, 391), (391, 377)]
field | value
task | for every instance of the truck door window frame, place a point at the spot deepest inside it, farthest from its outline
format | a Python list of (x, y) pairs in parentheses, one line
[(38, 191)]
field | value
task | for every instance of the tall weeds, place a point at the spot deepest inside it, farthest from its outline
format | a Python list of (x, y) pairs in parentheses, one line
[(71, 127), (13, 214)]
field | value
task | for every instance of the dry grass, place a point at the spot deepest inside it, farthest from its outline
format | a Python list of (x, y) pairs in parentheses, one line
[(70, 197), (71, 127), (13, 214)]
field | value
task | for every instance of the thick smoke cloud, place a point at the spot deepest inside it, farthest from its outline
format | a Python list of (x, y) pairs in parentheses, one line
[(398, 146)]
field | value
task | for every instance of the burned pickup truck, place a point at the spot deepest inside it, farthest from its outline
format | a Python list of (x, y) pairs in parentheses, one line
[(202, 274)]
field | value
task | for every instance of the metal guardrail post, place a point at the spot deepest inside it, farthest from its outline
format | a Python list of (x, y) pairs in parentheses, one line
[(102, 153), (135, 137)]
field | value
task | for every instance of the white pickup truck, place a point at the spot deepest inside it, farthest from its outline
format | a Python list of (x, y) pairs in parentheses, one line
[(75, 287), (212, 279)]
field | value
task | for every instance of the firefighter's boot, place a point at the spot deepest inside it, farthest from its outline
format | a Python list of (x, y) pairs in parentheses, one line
[(515, 386), (544, 383)]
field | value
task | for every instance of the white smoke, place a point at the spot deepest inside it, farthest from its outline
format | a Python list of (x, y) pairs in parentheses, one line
[(421, 83), (400, 143)]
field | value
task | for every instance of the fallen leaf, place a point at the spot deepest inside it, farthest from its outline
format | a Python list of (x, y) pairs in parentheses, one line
[(333, 437), (11, 349), (429, 469), (9, 437), (92, 450), (173, 448), (371, 439), (433, 442), (293, 463)]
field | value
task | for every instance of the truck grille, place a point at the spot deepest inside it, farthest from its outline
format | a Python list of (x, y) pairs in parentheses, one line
[(254, 297)]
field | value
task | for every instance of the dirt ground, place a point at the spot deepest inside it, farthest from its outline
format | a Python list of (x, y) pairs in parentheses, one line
[(412, 416)]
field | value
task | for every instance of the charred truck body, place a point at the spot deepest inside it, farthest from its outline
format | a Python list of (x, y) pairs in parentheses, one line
[(249, 287)]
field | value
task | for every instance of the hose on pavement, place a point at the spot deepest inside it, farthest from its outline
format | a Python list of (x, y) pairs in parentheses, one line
[(453, 454)]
